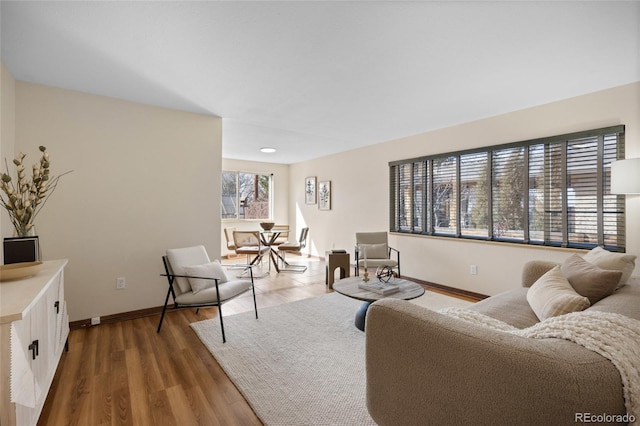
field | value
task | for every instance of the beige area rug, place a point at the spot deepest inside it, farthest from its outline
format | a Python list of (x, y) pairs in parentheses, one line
[(300, 363)]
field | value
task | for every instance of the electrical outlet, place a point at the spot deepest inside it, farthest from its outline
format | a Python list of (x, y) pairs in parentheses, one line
[(95, 321), (473, 270), (121, 283)]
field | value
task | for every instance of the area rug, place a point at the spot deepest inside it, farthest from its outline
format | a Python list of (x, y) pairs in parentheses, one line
[(300, 363)]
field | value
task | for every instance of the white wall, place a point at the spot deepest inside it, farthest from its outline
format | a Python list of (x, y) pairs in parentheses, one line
[(7, 135), (148, 178), (280, 186), (144, 179), (360, 180)]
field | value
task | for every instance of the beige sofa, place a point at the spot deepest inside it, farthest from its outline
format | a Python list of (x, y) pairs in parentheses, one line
[(425, 368)]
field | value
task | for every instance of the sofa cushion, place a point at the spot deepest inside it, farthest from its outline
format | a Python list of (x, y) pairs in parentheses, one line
[(624, 301), (510, 307), (229, 290), (552, 295), (588, 279), (207, 270), (534, 269), (605, 259)]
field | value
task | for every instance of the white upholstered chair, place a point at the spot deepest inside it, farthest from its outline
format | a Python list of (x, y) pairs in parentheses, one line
[(196, 282), (378, 252)]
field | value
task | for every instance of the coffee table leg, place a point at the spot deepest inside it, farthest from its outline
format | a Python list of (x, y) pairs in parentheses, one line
[(361, 315)]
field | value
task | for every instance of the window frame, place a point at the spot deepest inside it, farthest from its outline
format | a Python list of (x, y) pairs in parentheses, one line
[(610, 140), (238, 216)]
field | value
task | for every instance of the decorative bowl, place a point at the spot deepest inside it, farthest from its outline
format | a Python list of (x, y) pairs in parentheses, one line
[(17, 271), (267, 226)]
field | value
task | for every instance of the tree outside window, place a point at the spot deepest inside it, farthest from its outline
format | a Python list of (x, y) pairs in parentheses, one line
[(245, 196)]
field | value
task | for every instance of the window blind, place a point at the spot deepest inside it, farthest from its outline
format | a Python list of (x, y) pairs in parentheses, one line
[(444, 195), (551, 191), (507, 193), (474, 195)]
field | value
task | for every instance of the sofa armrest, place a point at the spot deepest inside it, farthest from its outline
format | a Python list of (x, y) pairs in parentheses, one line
[(534, 269), (426, 368)]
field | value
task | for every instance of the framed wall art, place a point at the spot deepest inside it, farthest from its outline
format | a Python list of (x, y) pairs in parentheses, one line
[(324, 195), (310, 190)]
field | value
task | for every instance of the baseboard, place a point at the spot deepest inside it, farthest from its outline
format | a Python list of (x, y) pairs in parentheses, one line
[(232, 256), (140, 313), (464, 293), (122, 316)]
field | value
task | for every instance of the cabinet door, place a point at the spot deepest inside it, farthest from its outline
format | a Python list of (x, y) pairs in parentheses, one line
[(55, 308), (23, 384), (63, 316), (41, 331)]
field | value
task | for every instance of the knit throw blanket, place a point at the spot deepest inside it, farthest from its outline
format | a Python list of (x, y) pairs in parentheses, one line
[(614, 336)]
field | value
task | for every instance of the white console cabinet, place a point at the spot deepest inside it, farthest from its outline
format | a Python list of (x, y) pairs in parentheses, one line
[(34, 329)]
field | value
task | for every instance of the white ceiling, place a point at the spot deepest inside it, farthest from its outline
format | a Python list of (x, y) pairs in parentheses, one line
[(315, 78)]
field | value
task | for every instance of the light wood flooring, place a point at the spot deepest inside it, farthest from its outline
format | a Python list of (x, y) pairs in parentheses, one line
[(125, 373)]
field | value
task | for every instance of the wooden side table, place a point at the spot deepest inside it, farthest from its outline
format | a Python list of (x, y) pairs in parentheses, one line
[(333, 261)]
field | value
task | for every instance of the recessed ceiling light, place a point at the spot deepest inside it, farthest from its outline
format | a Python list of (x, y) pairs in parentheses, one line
[(267, 150)]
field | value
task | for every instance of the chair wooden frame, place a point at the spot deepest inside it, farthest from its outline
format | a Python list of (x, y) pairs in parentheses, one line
[(283, 237), (228, 235), (171, 292)]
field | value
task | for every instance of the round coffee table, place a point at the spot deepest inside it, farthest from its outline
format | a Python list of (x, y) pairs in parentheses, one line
[(349, 287)]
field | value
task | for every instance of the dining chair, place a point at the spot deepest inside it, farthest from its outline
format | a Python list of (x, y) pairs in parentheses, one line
[(294, 246), (250, 244), (284, 234), (228, 235)]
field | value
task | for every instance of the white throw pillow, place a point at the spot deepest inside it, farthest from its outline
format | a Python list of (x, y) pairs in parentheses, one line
[(604, 259), (552, 295), (374, 251), (208, 270)]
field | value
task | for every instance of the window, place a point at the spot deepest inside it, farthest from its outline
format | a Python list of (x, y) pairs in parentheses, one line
[(507, 193), (474, 201), (245, 195), (553, 191)]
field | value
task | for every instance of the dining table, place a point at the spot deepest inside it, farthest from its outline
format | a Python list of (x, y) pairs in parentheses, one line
[(268, 238)]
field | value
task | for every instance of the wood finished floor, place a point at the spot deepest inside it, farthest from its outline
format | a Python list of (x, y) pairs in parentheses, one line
[(125, 373)]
